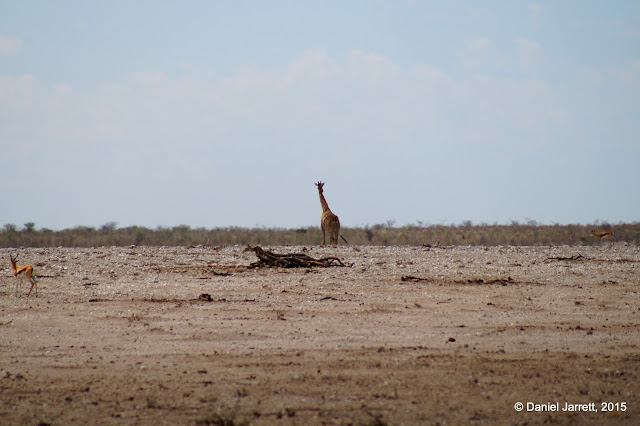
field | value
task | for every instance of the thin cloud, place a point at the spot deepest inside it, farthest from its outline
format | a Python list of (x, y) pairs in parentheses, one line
[(530, 54), (475, 52), (9, 46), (633, 32), (534, 9)]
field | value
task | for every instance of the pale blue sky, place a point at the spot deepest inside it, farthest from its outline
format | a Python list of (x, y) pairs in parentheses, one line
[(225, 113)]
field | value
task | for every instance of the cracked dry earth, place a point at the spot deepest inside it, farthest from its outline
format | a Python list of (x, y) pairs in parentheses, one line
[(406, 335)]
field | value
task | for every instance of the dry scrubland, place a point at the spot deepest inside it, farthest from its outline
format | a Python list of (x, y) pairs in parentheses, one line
[(530, 234), (406, 335)]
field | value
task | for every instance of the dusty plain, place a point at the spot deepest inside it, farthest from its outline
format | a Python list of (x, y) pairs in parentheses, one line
[(405, 335)]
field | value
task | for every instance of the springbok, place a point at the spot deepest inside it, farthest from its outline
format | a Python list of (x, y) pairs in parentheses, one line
[(603, 234), (24, 272)]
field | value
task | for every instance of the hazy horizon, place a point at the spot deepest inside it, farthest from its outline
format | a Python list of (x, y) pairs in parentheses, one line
[(386, 224)]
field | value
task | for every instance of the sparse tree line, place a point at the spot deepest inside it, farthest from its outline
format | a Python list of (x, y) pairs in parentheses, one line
[(529, 234)]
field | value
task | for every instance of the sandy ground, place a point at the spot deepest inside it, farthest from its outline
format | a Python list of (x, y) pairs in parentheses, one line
[(121, 336)]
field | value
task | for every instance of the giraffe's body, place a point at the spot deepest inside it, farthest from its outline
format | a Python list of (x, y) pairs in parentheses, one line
[(329, 222)]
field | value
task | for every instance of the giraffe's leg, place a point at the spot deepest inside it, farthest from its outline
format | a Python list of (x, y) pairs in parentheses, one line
[(323, 236)]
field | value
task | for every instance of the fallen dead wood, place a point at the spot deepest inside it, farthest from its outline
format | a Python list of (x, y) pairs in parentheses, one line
[(411, 278), (574, 257), (290, 260), (503, 281)]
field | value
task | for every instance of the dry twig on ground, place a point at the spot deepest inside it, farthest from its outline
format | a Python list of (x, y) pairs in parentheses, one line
[(574, 257)]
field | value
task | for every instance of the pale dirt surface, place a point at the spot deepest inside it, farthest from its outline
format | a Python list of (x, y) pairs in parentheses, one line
[(118, 336)]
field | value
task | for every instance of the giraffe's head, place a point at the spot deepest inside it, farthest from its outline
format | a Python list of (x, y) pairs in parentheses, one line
[(320, 185)]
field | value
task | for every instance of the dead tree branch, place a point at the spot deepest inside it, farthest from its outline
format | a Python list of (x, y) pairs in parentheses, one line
[(290, 260)]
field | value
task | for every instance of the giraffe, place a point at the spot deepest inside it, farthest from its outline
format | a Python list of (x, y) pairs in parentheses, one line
[(329, 222)]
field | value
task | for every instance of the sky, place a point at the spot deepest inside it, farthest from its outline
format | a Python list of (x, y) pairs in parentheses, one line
[(225, 113)]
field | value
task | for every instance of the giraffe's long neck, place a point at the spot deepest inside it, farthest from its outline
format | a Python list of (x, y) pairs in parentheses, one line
[(323, 202)]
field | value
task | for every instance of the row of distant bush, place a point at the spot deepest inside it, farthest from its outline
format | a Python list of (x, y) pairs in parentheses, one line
[(528, 234)]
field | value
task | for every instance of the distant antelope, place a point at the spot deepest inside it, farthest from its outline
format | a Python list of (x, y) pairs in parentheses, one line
[(23, 272), (603, 234), (329, 222)]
